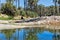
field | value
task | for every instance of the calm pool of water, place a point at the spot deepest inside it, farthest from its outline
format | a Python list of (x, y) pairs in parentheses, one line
[(27, 34)]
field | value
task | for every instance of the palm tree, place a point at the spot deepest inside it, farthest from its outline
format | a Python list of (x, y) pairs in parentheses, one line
[(56, 6), (41, 9), (10, 1), (59, 5), (18, 3), (59, 2), (32, 4), (25, 4), (31, 33)]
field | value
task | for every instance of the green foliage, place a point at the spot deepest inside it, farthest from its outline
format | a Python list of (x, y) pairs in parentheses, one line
[(32, 5), (31, 35), (22, 13), (8, 33), (8, 9), (32, 14), (33, 10), (9, 18), (29, 13)]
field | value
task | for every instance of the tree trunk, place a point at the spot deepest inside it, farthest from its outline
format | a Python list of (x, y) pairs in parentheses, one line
[(18, 3), (57, 8), (41, 12), (0, 6)]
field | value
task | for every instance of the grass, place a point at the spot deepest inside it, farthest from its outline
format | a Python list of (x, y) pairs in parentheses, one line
[(9, 18)]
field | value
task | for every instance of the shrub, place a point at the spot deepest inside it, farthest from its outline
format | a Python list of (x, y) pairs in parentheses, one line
[(8, 9)]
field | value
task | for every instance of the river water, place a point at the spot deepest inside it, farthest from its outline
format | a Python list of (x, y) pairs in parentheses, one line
[(28, 34)]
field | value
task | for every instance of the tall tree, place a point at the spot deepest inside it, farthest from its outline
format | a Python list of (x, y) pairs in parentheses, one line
[(59, 2), (32, 4), (56, 6), (41, 9), (18, 3), (0, 5), (59, 5), (10, 1)]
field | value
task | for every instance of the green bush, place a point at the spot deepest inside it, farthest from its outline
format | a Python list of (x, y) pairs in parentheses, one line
[(32, 14), (28, 13), (9, 18), (8, 9), (22, 13)]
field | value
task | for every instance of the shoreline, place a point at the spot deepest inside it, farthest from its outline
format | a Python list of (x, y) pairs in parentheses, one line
[(22, 25), (48, 22)]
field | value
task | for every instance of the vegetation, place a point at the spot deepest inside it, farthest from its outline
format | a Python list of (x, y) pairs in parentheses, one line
[(8, 33), (32, 10)]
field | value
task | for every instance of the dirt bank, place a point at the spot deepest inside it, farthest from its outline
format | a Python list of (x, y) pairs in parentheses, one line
[(52, 22)]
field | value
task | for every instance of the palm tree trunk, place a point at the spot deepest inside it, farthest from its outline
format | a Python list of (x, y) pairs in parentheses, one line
[(18, 3), (55, 8), (59, 8), (24, 4), (41, 11)]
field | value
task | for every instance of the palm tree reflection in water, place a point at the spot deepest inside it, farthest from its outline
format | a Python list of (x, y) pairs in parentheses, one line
[(8, 33), (27, 34), (31, 33)]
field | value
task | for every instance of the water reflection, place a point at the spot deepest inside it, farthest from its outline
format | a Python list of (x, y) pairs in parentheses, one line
[(8, 33), (56, 37), (29, 34)]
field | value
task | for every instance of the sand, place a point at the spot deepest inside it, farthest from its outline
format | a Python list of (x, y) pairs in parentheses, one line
[(52, 22)]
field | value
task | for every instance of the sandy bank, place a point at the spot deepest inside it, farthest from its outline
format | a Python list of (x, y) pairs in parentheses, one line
[(52, 22)]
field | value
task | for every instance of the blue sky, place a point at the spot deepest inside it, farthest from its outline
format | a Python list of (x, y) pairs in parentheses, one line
[(44, 2)]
